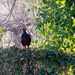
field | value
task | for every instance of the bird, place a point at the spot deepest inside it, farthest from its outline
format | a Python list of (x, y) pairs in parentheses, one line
[(25, 38)]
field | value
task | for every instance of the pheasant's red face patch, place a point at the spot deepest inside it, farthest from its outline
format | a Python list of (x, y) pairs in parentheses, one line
[(24, 29)]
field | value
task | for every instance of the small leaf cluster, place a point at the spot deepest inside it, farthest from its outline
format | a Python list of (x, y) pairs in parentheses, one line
[(2, 30)]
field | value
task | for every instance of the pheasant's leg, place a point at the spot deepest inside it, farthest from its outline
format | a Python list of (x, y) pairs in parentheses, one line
[(22, 47)]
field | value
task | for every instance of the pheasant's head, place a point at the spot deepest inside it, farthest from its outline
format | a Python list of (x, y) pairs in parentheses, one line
[(24, 29)]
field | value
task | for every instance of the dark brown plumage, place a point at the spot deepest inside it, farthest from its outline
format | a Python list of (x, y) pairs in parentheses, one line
[(25, 38)]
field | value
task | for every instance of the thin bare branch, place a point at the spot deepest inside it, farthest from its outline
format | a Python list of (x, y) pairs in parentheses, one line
[(8, 16)]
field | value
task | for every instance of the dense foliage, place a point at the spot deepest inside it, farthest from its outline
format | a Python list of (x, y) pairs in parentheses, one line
[(57, 24), (43, 62), (54, 53)]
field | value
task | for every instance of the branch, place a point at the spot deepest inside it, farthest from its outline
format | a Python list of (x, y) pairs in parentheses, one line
[(10, 11)]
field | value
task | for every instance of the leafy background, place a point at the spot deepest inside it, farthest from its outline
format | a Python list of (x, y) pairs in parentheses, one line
[(54, 53)]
